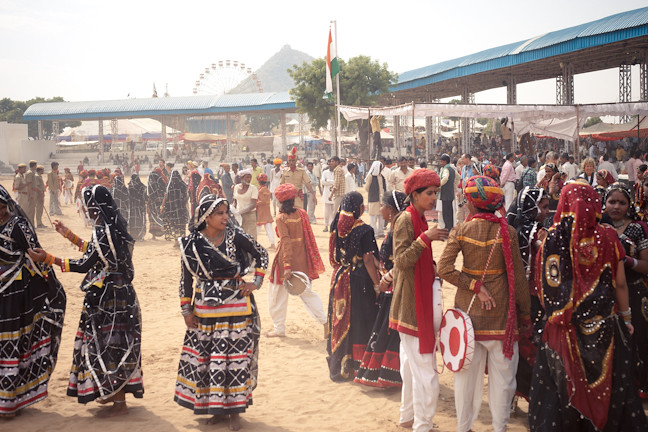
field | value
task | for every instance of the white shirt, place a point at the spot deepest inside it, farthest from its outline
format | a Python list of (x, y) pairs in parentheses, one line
[(244, 200), (275, 179), (519, 170), (350, 183), (327, 183), (607, 165)]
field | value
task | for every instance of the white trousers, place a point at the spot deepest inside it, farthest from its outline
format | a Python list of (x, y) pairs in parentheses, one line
[(67, 195), (469, 385), (420, 390), (378, 224), (329, 213), (311, 208), (509, 194), (270, 232), (278, 305)]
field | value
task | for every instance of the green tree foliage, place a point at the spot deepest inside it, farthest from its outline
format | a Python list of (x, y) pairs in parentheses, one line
[(591, 121), (12, 112), (362, 81), (258, 123)]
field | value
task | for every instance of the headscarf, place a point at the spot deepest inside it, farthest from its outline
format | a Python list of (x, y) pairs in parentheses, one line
[(484, 193), (208, 186), (262, 178), (286, 192), (396, 200), (576, 269), (119, 191), (491, 171), (376, 168), (421, 178), (207, 205), (98, 198), (137, 208), (606, 175), (522, 216), (15, 209)]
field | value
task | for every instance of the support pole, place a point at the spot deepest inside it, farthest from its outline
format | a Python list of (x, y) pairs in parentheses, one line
[(625, 88), (413, 133)]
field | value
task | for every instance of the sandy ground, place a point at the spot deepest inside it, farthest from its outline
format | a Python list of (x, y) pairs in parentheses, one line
[(294, 391)]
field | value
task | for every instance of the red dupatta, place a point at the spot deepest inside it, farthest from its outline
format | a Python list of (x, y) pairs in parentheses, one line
[(423, 287), (315, 264)]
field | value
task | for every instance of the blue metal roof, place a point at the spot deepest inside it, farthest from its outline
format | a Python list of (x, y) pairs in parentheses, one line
[(615, 28), (155, 107)]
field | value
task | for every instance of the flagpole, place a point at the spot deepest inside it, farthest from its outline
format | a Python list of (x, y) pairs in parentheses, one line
[(337, 104)]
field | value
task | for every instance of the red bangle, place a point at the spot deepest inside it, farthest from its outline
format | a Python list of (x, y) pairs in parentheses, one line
[(477, 287)]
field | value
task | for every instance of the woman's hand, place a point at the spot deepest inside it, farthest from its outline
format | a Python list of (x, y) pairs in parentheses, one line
[(630, 328), (487, 301), (384, 285), (37, 254), (247, 288), (287, 273), (436, 233), (60, 227), (191, 321)]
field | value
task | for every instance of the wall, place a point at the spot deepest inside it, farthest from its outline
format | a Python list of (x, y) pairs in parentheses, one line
[(11, 137)]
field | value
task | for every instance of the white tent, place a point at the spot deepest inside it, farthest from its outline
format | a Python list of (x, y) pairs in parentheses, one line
[(138, 126), (560, 121)]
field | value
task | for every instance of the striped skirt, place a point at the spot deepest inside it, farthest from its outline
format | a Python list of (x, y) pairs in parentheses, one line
[(31, 320), (218, 364), (107, 346)]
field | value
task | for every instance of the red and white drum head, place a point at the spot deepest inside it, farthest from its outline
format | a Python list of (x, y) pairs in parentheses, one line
[(457, 340)]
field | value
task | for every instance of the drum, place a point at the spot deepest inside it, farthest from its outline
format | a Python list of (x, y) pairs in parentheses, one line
[(297, 283), (437, 300), (457, 340)]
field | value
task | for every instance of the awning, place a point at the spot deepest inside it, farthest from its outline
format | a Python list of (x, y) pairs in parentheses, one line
[(560, 121)]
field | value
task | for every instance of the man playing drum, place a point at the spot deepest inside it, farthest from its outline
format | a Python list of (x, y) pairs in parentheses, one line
[(497, 310)]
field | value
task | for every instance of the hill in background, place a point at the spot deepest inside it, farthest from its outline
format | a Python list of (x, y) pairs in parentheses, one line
[(273, 74)]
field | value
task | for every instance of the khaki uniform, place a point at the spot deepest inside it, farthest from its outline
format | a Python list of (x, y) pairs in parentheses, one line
[(297, 178), (30, 207), (20, 186), (54, 185), (39, 200)]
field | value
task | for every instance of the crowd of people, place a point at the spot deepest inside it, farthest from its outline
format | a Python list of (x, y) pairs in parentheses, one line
[(554, 280)]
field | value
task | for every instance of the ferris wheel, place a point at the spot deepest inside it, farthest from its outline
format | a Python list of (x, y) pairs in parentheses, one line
[(223, 76)]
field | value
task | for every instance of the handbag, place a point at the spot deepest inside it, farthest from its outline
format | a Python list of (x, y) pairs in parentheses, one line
[(457, 335)]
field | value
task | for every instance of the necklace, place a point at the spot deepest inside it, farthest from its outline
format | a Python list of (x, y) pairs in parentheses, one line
[(618, 225), (215, 240)]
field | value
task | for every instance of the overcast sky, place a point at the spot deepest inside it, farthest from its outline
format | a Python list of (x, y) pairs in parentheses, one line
[(89, 50)]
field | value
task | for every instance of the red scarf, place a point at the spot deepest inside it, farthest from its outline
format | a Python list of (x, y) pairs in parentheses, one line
[(423, 287), (511, 319), (315, 264)]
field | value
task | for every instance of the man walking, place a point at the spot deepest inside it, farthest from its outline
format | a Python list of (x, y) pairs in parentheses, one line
[(507, 180), (448, 187), (54, 185)]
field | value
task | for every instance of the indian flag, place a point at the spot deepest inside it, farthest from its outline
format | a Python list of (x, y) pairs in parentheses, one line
[(332, 66)]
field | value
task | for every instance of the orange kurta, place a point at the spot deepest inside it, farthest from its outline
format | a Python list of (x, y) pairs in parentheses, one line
[(292, 247), (263, 206)]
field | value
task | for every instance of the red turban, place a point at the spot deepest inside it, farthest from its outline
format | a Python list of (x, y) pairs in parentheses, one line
[(421, 178), (293, 153), (285, 192)]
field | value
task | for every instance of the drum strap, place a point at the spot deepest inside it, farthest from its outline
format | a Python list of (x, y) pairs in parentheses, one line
[(490, 255)]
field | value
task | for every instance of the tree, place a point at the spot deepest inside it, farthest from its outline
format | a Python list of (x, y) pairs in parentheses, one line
[(258, 123), (12, 112), (591, 121), (362, 81)]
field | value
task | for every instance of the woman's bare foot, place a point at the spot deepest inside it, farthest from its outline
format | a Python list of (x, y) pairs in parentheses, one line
[(235, 422), (215, 419), (117, 409)]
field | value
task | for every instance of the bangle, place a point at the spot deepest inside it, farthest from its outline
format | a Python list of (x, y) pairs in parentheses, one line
[(625, 313), (635, 262), (627, 320), (49, 259)]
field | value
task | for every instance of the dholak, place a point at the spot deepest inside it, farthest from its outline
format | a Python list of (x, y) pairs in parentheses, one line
[(297, 283), (457, 340)]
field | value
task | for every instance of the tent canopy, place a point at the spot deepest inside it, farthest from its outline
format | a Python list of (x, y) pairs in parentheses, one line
[(559, 121)]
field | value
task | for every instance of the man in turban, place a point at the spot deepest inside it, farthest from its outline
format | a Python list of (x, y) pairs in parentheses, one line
[(298, 178), (493, 272)]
